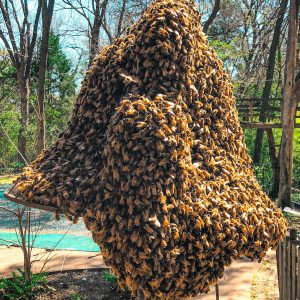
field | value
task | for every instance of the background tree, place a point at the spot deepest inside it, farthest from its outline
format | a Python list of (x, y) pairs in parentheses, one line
[(16, 28), (47, 12), (94, 13), (212, 16), (269, 79), (291, 98), (248, 35)]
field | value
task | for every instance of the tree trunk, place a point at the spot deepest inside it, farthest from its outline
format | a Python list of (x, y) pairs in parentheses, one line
[(24, 97), (288, 109), (121, 18), (40, 105), (274, 164), (269, 79), (47, 12), (95, 32)]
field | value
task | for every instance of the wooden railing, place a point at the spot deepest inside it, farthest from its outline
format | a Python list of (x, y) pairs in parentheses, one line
[(250, 112)]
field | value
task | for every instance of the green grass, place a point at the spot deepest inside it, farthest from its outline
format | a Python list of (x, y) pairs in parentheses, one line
[(7, 179)]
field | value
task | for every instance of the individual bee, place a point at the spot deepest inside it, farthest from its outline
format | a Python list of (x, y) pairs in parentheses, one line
[(199, 224)]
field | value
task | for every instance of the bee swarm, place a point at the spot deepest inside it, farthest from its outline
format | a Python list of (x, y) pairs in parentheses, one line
[(154, 160)]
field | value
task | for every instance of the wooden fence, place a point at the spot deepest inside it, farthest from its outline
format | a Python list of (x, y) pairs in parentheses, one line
[(288, 267), (250, 111)]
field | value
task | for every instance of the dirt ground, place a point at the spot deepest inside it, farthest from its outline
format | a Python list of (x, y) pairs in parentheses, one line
[(82, 285), (264, 282)]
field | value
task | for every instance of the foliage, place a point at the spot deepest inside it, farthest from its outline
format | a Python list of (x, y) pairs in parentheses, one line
[(19, 288), (296, 172), (60, 94), (263, 170), (76, 296), (109, 277), (60, 88)]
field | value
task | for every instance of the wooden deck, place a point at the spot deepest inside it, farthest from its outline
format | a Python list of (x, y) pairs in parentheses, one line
[(250, 112)]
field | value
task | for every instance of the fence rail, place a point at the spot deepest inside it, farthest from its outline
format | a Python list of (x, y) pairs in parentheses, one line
[(288, 267), (250, 111)]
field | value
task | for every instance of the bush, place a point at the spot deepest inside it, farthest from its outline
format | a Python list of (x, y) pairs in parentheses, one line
[(296, 172), (18, 288), (109, 277)]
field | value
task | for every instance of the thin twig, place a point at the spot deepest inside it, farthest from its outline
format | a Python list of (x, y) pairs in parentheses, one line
[(5, 132), (8, 210)]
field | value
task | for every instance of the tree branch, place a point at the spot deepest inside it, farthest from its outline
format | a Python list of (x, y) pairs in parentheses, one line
[(212, 16), (8, 48), (10, 31), (119, 28), (80, 10), (33, 39)]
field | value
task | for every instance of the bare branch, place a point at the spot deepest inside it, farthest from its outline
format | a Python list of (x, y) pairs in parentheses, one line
[(10, 31), (8, 210), (8, 48), (15, 14), (105, 27), (80, 10)]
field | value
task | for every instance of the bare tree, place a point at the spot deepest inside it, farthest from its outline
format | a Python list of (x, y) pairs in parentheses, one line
[(16, 28), (288, 108), (107, 19), (47, 13), (269, 79), (94, 14), (100, 10)]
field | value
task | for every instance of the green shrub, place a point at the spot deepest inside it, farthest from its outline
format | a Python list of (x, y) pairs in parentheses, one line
[(76, 296), (18, 288), (296, 172), (109, 277)]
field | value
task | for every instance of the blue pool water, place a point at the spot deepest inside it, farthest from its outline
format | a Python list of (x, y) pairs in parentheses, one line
[(54, 241), (61, 234)]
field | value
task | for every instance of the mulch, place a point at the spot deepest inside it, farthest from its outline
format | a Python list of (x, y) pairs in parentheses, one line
[(89, 285)]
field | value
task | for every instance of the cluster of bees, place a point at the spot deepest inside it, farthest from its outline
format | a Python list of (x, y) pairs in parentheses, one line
[(155, 161)]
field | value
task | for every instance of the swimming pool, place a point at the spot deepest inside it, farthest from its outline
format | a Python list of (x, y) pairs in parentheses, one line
[(61, 234)]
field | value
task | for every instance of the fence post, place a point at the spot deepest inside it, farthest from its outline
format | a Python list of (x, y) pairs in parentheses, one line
[(251, 114), (279, 268), (217, 292), (288, 267), (293, 238), (284, 269)]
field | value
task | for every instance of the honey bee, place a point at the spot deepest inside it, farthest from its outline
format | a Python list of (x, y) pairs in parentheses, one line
[(199, 224)]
